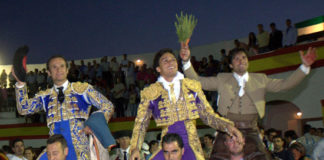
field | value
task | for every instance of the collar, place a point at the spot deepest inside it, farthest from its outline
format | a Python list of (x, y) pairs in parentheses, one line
[(241, 79), (65, 85), (177, 78), (122, 151)]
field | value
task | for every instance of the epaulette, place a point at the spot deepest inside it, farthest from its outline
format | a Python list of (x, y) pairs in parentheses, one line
[(152, 92), (45, 92), (192, 84), (79, 87)]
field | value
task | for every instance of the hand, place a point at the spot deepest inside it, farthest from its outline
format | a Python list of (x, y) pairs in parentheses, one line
[(235, 134), (309, 58), (20, 83), (185, 52), (87, 130), (135, 155)]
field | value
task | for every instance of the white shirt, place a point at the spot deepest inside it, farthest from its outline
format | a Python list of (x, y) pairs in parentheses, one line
[(241, 80), (65, 85), (175, 81), (14, 157)]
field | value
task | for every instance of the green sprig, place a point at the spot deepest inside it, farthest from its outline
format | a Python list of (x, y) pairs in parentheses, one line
[(185, 25)]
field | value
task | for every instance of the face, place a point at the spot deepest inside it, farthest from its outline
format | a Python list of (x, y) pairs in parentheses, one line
[(234, 147), (168, 66), (19, 148), (278, 143), (271, 135), (29, 154), (296, 154), (58, 71), (208, 141), (172, 151), (124, 142), (240, 63), (55, 151)]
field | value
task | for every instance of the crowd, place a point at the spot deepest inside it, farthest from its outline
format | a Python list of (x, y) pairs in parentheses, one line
[(285, 146), (266, 41), (120, 82)]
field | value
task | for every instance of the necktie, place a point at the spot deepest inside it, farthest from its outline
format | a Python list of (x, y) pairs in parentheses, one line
[(125, 155), (60, 96), (172, 94), (241, 84)]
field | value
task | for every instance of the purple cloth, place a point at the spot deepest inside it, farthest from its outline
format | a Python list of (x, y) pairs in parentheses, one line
[(179, 128)]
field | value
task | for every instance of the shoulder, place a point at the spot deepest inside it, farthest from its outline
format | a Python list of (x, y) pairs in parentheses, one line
[(152, 91), (45, 92), (80, 87), (192, 84)]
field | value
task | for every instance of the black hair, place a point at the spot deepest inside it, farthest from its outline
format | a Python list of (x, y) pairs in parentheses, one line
[(172, 137), (53, 57), (15, 141), (290, 133), (209, 136), (159, 54), (57, 138), (236, 51)]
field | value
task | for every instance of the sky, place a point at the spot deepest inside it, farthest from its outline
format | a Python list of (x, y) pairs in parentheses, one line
[(80, 29)]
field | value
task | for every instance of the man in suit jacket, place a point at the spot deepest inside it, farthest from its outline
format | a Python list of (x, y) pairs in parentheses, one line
[(242, 94)]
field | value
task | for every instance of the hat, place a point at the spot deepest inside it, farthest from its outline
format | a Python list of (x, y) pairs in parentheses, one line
[(123, 133), (19, 63)]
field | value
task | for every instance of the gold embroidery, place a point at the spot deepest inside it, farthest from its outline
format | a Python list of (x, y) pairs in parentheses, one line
[(79, 87)]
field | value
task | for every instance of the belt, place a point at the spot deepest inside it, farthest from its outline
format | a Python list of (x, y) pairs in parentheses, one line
[(244, 124)]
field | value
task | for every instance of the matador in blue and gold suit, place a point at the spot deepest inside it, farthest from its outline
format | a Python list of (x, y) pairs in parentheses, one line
[(67, 118)]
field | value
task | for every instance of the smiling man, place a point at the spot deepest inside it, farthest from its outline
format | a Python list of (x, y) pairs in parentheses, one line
[(57, 148), (175, 103), (67, 106), (242, 94)]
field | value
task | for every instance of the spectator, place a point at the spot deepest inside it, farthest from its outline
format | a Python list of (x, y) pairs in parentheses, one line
[(269, 138), (114, 65), (263, 39), (131, 76), (208, 141), (57, 148), (124, 64), (275, 41), (123, 139), (279, 149), (240, 45), (18, 149), (224, 62), (118, 92), (290, 36), (3, 78), (290, 137), (172, 146), (253, 46), (7, 151), (232, 150), (298, 151), (308, 140), (195, 63), (154, 147), (318, 153), (30, 153), (132, 105)]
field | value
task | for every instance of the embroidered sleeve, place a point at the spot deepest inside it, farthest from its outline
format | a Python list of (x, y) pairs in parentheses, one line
[(98, 100), (27, 106), (206, 112), (141, 123)]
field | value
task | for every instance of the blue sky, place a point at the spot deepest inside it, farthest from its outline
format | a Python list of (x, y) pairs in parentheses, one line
[(81, 29)]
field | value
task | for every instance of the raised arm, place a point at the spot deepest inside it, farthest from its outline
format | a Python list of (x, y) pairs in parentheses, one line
[(25, 105), (207, 83), (141, 123), (276, 85)]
